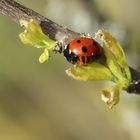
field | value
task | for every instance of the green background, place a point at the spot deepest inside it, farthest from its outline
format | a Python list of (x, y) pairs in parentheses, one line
[(40, 102)]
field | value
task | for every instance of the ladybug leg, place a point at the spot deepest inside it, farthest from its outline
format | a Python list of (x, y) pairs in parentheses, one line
[(86, 59)]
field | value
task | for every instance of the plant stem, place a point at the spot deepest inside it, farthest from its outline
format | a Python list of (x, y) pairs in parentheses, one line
[(135, 83)]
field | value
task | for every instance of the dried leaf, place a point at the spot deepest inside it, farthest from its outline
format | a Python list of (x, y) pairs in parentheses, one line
[(111, 95)]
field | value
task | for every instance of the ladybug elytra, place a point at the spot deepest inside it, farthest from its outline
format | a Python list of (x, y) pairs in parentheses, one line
[(82, 51)]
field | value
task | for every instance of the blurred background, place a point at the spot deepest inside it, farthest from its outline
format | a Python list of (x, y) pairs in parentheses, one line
[(40, 102)]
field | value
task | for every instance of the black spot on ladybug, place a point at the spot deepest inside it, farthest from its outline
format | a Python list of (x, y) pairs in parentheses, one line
[(84, 49), (78, 41), (95, 43)]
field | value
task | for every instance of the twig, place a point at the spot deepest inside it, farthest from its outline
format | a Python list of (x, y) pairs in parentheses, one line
[(135, 84), (19, 12)]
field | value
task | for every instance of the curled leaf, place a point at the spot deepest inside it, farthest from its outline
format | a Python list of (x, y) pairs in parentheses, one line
[(113, 45), (116, 60), (94, 71), (111, 95), (115, 68), (34, 36)]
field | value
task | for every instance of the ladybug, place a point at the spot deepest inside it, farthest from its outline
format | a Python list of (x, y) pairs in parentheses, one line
[(82, 51)]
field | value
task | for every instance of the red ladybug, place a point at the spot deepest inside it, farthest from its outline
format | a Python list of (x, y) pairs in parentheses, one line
[(82, 51)]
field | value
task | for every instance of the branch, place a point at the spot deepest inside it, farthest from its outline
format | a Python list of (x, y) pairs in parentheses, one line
[(18, 12), (135, 84)]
